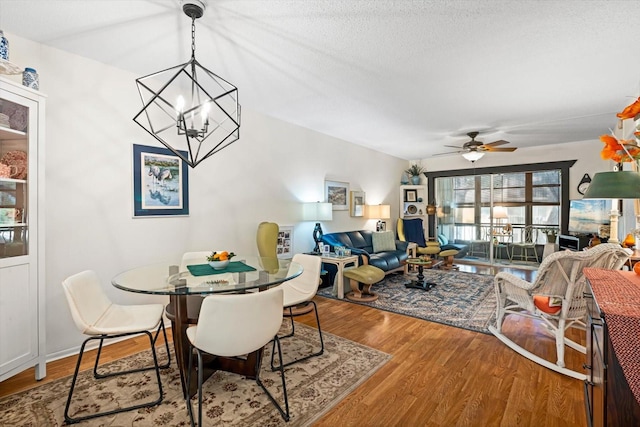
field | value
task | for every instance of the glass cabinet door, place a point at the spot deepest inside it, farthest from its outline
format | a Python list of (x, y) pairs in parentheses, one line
[(14, 169)]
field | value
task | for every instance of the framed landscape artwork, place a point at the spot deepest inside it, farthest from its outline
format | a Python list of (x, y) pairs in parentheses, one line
[(337, 193), (160, 182), (357, 203)]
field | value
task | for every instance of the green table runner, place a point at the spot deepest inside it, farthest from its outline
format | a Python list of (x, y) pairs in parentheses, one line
[(207, 270)]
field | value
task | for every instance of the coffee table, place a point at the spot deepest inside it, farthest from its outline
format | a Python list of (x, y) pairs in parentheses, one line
[(422, 263)]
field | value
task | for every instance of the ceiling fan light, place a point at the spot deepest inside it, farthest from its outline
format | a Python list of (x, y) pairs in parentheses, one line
[(472, 156)]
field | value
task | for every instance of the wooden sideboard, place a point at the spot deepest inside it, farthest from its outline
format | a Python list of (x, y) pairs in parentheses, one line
[(612, 387)]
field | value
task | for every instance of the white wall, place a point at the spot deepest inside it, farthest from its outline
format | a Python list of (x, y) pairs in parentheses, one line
[(266, 175)]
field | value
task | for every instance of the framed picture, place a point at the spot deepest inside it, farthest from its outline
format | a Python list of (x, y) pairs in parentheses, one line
[(410, 195), (337, 193), (357, 203), (285, 242), (160, 182)]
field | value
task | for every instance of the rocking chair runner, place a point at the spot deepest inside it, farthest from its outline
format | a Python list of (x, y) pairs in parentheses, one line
[(555, 297)]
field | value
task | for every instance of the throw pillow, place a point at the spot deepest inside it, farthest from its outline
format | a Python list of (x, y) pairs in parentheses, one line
[(383, 241), (443, 240)]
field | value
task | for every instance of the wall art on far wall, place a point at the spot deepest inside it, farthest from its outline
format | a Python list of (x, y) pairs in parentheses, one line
[(160, 182), (357, 203), (337, 193), (285, 242)]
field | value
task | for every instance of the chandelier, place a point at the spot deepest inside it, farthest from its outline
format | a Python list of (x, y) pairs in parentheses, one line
[(188, 108)]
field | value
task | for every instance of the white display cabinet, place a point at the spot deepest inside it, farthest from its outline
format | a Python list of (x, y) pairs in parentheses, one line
[(413, 203), (22, 285)]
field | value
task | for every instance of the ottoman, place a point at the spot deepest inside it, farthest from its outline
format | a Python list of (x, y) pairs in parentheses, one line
[(361, 279), (447, 257)]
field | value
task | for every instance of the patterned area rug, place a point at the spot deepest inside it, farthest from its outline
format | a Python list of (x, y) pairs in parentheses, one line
[(314, 386), (463, 300)]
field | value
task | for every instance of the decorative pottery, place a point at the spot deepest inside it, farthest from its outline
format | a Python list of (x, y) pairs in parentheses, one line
[(415, 180), (4, 47), (219, 265), (30, 79)]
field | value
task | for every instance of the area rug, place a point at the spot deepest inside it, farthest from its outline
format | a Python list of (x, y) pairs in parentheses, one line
[(463, 300), (314, 386)]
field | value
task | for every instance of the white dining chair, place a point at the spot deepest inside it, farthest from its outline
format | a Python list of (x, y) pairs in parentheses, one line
[(299, 292), (232, 325), (96, 316)]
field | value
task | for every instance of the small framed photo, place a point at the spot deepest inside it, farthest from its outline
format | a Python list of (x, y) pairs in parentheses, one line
[(285, 242), (337, 193), (410, 195), (357, 203), (160, 182)]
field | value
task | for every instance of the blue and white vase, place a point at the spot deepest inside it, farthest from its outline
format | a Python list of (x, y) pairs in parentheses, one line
[(4, 47), (30, 79)]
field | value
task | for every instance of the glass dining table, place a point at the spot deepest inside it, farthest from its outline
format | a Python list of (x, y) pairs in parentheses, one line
[(186, 289)]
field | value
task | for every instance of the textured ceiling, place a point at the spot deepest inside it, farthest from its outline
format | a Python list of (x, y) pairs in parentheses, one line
[(401, 77)]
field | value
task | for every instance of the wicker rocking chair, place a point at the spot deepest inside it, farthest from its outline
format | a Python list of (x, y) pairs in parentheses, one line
[(555, 297)]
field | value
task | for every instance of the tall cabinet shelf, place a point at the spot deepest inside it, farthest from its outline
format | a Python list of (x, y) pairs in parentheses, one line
[(413, 203), (22, 286)]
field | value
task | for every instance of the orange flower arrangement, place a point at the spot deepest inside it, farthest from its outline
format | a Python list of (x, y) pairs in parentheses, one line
[(623, 150), (619, 150), (630, 111)]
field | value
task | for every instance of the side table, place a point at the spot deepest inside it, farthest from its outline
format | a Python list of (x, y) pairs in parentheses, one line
[(340, 262)]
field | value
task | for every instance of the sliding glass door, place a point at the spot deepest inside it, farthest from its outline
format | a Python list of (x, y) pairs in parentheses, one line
[(500, 217)]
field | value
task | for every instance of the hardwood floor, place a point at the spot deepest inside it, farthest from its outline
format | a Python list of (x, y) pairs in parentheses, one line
[(438, 376)]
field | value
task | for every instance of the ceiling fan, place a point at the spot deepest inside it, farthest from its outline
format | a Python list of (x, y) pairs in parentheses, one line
[(474, 150)]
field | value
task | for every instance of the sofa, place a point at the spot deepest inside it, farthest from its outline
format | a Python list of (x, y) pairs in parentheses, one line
[(361, 243)]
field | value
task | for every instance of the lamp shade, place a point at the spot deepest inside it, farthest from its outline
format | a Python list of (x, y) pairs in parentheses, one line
[(379, 211), (500, 212), (317, 211), (614, 185), (472, 156)]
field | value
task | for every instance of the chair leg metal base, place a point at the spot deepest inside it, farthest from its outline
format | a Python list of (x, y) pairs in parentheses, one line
[(283, 412), (98, 375), (291, 334), (71, 420)]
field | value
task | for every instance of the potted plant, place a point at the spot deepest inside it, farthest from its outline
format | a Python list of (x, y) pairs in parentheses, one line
[(551, 232), (414, 172)]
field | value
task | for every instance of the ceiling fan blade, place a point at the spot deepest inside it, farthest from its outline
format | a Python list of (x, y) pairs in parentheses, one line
[(504, 150), (454, 146), (496, 143), (449, 153)]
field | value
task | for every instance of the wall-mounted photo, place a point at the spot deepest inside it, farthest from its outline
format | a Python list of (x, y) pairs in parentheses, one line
[(160, 182), (285, 242), (337, 193), (357, 203)]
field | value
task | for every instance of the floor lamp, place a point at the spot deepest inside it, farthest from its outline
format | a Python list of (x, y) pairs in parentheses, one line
[(317, 212), (614, 185)]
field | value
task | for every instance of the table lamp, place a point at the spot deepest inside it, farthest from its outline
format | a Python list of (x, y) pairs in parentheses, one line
[(379, 212), (614, 185), (317, 212)]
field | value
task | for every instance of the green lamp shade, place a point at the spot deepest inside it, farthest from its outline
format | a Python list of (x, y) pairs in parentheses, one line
[(614, 185)]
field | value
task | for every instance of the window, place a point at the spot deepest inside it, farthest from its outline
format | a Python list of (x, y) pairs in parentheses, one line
[(535, 195)]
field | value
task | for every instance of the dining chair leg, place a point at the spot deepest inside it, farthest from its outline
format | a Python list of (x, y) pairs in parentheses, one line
[(318, 353), (70, 420), (98, 375), (283, 412)]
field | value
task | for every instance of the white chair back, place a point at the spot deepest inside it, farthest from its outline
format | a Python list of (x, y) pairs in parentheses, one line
[(194, 258), (306, 283), (87, 300), (236, 324)]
